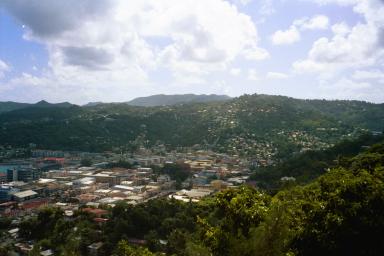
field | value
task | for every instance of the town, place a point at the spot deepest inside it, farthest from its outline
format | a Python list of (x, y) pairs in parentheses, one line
[(81, 181)]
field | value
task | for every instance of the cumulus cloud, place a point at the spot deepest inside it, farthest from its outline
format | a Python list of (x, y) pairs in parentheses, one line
[(253, 75), (47, 18), (244, 2), (288, 36), (345, 88), (255, 53), (341, 29), (316, 22), (276, 75), (376, 75), (3, 68), (121, 42), (91, 57), (293, 34), (340, 2), (356, 47), (235, 71)]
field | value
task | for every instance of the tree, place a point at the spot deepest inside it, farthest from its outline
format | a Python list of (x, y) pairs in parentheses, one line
[(86, 162), (125, 249), (236, 212)]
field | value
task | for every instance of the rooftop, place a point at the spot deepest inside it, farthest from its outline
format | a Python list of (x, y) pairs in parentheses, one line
[(25, 193)]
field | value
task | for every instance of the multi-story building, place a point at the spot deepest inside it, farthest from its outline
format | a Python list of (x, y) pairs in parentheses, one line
[(25, 174), (6, 192)]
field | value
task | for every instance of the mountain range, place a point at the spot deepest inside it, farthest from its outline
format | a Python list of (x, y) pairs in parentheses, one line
[(259, 126), (150, 101), (166, 100)]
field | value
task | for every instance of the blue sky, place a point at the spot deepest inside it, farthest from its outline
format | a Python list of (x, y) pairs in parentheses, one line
[(116, 50)]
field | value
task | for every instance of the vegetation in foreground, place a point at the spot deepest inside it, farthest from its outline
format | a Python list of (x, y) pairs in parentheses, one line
[(340, 213)]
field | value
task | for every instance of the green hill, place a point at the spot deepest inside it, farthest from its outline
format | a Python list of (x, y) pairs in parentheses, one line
[(167, 100), (256, 126), (10, 106)]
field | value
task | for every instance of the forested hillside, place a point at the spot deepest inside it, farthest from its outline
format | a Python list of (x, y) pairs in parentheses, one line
[(251, 125), (304, 167), (167, 100), (10, 106)]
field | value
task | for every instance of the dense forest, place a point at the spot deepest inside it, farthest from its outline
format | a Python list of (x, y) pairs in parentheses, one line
[(305, 167), (339, 213), (245, 126)]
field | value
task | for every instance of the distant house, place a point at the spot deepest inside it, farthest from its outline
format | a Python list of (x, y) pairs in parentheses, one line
[(98, 212), (3, 177), (94, 249), (48, 252), (285, 179), (163, 178), (13, 232), (24, 195), (6, 192)]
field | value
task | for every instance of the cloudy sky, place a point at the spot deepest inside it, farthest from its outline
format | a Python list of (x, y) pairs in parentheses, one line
[(116, 50)]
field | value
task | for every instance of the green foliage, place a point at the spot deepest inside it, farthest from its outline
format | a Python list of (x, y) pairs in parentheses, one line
[(124, 249), (163, 100), (178, 172), (273, 236), (236, 212), (5, 223), (339, 213), (4, 251), (307, 166), (86, 162), (233, 126), (346, 213)]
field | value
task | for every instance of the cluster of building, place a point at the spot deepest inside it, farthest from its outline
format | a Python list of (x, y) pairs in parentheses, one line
[(55, 178), (52, 177)]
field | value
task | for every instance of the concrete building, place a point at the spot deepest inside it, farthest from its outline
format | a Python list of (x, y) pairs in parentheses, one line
[(25, 174), (94, 249), (24, 195), (3, 178), (6, 192)]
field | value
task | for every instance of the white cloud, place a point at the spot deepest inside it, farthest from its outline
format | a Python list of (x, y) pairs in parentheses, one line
[(235, 71), (293, 34), (253, 75), (349, 85), (369, 75), (356, 47), (344, 88), (255, 53), (244, 2), (340, 2), (309, 66), (276, 75), (120, 42), (341, 29), (288, 36), (316, 22), (3, 68)]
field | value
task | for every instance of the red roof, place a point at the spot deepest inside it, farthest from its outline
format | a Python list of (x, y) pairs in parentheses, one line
[(34, 204), (97, 212)]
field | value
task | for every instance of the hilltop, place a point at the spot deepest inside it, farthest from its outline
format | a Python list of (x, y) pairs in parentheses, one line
[(256, 126), (167, 100)]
